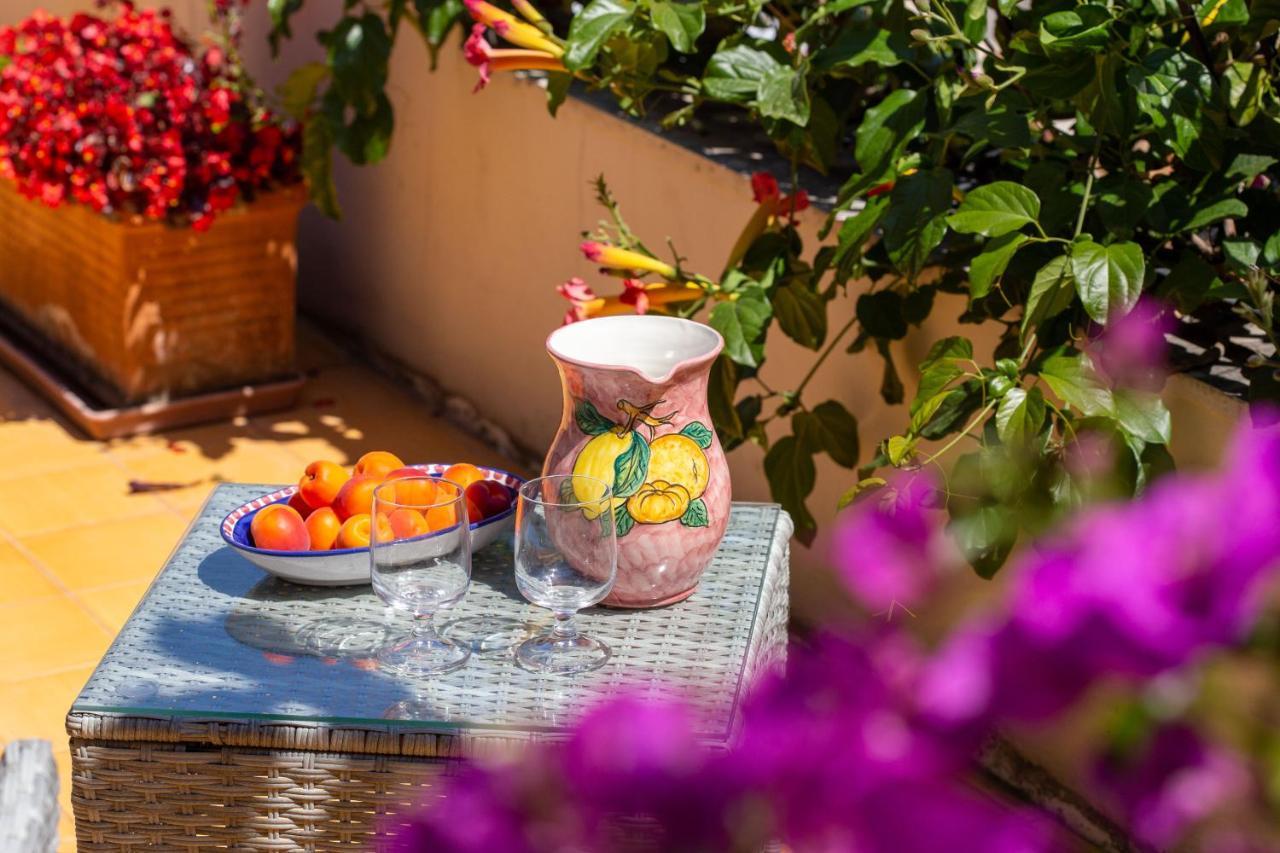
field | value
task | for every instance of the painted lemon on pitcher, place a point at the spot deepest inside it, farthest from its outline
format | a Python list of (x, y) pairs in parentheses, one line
[(598, 460), (655, 480)]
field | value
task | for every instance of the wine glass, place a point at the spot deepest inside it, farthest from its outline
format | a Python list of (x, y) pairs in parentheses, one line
[(420, 561), (566, 559)]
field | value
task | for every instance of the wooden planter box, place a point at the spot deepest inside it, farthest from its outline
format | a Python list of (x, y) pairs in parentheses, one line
[(142, 311)]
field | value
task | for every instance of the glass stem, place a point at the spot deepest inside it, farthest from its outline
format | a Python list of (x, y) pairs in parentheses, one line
[(424, 626), (564, 628)]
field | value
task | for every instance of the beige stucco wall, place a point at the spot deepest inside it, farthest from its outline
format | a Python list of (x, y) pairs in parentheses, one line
[(449, 251)]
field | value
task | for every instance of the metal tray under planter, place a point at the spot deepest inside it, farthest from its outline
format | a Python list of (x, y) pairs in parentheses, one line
[(140, 311)]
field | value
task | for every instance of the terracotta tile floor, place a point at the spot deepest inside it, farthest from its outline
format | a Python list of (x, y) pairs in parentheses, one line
[(77, 550)]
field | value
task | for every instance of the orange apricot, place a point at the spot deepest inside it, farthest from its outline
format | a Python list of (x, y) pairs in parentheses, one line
[(377, 463), (323, 525), (355, 497), (321, 483), (464, 474), (441, 517), (279, 527), (419, 490), (357, 531), (407, 523)]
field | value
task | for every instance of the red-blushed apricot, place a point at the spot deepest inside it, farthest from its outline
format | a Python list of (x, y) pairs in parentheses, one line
[(463, 473), (476, 499), (279, 527), (407, 523), (323, 525), (377, 463), (299, 505), (321, 483), (355, 497)]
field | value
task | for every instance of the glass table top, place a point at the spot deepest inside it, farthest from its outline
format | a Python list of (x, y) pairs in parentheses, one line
[(216, 637)]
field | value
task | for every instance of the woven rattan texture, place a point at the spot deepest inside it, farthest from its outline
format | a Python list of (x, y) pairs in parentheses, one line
[(235, 711)]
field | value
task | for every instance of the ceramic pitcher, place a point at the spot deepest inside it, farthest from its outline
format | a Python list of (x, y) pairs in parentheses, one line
[(635, 417)]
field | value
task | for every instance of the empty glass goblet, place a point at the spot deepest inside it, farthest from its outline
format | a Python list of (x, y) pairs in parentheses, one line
[(420, 561), (566, 560)]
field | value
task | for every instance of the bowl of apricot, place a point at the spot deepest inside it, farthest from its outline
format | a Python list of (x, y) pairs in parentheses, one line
[(318, 532)]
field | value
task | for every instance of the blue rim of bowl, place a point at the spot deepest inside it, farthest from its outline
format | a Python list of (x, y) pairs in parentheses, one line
[(430, 469)]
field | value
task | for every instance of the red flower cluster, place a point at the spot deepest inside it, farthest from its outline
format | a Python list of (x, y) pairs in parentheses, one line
[(123, 116)]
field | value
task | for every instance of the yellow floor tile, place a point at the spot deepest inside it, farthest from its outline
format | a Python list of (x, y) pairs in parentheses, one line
[(113, 604), (39, 446), (20, 579), (94, 555), (37, 707), (89, 493), (53, 635)]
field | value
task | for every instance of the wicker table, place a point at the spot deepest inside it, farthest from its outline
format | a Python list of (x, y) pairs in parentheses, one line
[(236, 710)]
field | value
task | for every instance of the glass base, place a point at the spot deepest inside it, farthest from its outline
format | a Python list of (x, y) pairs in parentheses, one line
[(562, 656), (423, 657), (488, 635)]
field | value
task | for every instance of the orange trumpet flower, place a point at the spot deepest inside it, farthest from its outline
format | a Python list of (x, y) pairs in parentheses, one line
[(512, 28), (625, 259)]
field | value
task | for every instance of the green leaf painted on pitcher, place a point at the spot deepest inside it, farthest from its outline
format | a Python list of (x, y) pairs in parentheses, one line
[(695, 515), (622, 520), (630, 467), (700, 434), (589, 419)]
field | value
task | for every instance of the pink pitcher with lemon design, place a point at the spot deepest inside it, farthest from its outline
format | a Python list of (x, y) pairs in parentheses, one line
[(635, 416)]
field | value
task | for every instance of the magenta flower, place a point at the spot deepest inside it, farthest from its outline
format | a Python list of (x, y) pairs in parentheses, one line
[(1177, 780), (890, 547), (1132, 351)]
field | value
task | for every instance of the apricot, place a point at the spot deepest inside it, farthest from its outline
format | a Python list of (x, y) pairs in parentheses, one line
[(323, 525), (279, 527), (464, 474), (377, 463), (407, 523), (299, 505), (355, 497), (357, 531), (418, 490), (489, 498), (441, 517), (321, 483)]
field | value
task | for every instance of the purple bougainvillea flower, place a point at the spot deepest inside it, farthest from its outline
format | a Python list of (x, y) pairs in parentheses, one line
[(1177, 780), (1132, 351), (889, 548)]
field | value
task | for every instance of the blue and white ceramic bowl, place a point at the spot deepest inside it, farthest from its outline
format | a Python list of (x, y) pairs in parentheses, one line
[(346, 566)]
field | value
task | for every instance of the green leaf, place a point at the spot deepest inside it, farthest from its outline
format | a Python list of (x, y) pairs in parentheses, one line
[(1173, 90), (1082, 29), (955, 408), (990, 265), (1020, 416), (696, 514), (435, 20), (1142, 415), (1241, 255), (631, 466), (855, 230), (986, 537), (591, 28), (916, 221), (891, 390), (722, 387), (801, 314), (1246, 84), (741, 322), (622, 520), (735, 74), (1189, 283), (317, 165), (789, 468), (829, 427), (699, 433), (1122, 207), (1051, 293), (883, 134), (298, 93), (858, 488), (899, 449), (1108, 278), (280, 11), (558, 86), (880, 315), (1074, 380), (358, 52), (943, 365), (859, 45), (589, 419), (996, 209), (784, 95), (681, 23)]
